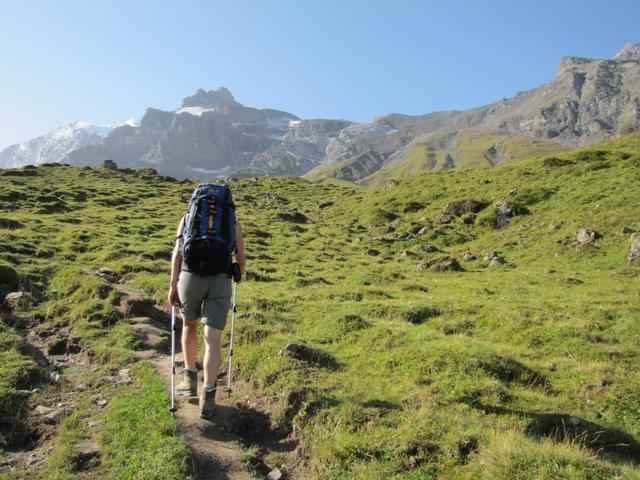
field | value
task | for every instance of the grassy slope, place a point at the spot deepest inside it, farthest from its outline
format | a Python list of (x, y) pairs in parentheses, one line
[(69, 220), (469, 149), (411, 374)]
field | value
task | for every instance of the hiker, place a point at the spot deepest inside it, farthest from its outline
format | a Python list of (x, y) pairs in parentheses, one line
[(204, 297)]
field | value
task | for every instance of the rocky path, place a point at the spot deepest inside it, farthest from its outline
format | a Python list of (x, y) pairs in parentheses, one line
[(216, 446), (215, 450)]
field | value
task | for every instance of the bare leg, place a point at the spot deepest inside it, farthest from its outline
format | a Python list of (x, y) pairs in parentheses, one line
[(190, 342), (211, 355)]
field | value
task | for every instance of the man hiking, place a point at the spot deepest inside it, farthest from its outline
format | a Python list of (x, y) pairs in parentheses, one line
[(201, 275)]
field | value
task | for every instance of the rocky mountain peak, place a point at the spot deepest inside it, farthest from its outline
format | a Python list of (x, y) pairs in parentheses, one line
[(629, 53), (220, 97), (572, 64)]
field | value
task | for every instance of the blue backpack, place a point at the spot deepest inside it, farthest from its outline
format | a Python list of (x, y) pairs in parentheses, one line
[(208, 237)]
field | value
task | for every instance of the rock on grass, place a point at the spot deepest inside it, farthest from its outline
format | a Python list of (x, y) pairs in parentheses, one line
[(444, 264)]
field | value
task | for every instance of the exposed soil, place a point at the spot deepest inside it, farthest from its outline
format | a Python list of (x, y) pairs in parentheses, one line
[(216, 447), (46, 399), (241, 420)]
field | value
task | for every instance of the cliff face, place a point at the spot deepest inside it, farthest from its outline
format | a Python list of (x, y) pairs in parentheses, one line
[(212, 134), (589, 100)]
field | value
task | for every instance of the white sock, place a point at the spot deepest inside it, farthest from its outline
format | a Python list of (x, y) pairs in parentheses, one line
[(190, 368), (209, 388)]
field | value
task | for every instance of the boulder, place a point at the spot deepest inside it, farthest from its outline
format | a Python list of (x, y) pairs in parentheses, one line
[(449, 265), (443, 264), (295, 350), (494, 258), (424, 229), (428, 248), (495, 261), (504, 211), (468, 256), (634, 249), (86, 450), (110, 165), (586, 237), (443, 218)]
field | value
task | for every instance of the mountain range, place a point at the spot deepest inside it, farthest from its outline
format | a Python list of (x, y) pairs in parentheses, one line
[(55, 145), (213, 135)]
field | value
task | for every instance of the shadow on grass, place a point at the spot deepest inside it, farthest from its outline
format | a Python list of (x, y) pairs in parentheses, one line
[(381, 404), (611, 442), (312, 356), (509, 370)]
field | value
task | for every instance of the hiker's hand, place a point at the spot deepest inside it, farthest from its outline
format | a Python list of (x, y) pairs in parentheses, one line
[(173, 298)]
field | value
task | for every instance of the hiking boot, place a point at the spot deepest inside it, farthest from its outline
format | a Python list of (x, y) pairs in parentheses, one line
[(207, 403), (189, 385)]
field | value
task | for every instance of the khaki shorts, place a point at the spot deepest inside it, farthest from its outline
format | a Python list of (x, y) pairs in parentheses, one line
[(207, 298)]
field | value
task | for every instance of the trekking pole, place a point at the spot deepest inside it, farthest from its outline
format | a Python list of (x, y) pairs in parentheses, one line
[(233, 324), (173, 408)]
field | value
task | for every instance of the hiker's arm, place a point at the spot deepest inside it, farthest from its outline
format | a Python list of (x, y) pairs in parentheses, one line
[(240, 257), (176, 259)]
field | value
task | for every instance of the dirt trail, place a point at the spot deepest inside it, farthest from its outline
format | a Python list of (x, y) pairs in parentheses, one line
[(216, 446), (216, 451)]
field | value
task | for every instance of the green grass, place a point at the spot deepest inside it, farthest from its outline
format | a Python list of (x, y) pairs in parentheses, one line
[(137, 437), (435, 152), (412, 374)]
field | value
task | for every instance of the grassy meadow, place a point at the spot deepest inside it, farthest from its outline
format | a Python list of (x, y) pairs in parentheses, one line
[(520, 370), (441, 151)]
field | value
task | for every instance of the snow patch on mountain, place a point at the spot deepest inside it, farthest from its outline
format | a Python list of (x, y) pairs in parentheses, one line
[(196, 111), (55, 145)]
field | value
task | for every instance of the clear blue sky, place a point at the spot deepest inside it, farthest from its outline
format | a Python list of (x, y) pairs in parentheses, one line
[(101, 61)]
